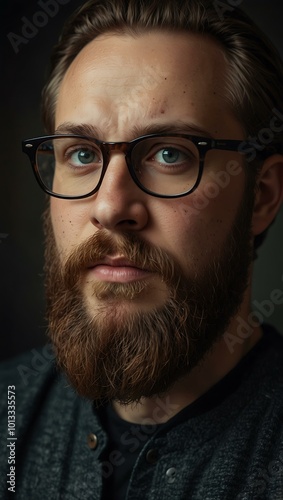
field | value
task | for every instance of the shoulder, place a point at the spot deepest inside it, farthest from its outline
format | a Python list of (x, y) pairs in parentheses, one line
[(36, 384), (28, 370), (47, 428), (261, 374)]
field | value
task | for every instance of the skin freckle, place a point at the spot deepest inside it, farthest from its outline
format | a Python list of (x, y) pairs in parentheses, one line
[(150, 307)]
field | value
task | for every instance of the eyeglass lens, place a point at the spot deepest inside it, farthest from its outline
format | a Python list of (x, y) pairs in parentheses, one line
[(72, 166)]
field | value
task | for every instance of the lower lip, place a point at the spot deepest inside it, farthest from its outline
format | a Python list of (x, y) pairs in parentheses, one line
[(121, 274)]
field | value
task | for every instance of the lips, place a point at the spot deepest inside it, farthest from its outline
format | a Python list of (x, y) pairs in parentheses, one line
[(117, 270)]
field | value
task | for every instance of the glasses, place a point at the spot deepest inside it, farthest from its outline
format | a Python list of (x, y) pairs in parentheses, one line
[(165, 166)]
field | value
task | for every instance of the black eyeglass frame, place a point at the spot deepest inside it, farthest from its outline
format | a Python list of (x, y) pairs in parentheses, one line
[(203, 144)]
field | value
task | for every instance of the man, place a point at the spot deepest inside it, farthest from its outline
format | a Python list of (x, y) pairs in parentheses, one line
[(158, 200)]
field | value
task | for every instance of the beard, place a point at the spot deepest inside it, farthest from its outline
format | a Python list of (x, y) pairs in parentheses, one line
[(112, 349)]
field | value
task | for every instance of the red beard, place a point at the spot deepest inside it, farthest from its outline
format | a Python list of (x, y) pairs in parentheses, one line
[(115, 352)]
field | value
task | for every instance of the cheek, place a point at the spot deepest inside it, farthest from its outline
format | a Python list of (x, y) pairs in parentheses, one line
[(65, 225), (197, 226), (186, 233)]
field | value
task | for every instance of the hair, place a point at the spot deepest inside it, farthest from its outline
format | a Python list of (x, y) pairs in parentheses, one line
[(255, 69)]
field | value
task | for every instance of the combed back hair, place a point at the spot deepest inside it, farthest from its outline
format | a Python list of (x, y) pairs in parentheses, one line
[(254, 83)]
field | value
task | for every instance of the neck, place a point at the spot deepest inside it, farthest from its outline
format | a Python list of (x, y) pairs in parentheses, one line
[(220, 360)]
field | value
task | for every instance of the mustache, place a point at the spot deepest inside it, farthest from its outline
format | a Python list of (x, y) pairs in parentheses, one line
[(130, 246)]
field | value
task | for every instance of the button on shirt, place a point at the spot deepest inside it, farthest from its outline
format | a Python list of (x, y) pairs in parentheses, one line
[(126, 440), (226, 445)]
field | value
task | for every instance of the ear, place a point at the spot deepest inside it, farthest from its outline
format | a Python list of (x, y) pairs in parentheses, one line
[(269, 194)]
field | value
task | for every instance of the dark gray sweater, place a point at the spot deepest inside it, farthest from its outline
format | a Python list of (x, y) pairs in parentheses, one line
[(231, 451)]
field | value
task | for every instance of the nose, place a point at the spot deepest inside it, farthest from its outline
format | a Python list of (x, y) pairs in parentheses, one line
[(119, 204)]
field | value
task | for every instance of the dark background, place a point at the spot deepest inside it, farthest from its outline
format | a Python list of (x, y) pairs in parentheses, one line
[(21, 201)]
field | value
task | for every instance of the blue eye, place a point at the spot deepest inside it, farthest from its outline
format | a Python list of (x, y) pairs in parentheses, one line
[(170, 156), (83, 157)]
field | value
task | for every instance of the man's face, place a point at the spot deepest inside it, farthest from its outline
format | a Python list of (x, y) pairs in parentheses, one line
[(124, 87)]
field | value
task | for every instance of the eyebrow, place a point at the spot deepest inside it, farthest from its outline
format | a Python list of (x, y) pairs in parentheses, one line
[(78, 129), (176, 127)]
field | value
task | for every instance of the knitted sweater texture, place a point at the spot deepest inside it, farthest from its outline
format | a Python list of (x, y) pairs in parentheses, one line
[(233, 451)]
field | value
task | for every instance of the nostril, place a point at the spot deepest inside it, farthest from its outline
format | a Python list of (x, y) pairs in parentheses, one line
[(127, 223)]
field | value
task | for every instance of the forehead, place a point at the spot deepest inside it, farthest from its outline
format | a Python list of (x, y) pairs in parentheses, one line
[(122, 80)]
